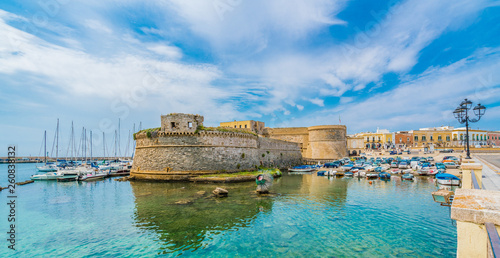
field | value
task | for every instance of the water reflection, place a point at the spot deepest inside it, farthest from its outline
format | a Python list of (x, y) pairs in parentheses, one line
[(182, 216)]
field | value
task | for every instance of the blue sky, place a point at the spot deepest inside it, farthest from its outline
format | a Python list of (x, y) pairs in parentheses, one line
[(399, 65)]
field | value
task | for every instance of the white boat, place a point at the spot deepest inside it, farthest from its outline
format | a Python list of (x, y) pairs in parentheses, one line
[(296, 169), (372, 175), (406, 171), (395, 171), (47, 176), (91, 176), (331, 173), (447, 179), (360, 174), (47, 168)]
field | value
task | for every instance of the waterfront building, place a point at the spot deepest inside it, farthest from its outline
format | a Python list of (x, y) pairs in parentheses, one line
[(476, 137), (433, 137), (403, 139), (493, 138), (380, 138), (355, 144)]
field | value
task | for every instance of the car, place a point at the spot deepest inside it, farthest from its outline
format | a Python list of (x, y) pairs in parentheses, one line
[(450, 165), (430, 159)]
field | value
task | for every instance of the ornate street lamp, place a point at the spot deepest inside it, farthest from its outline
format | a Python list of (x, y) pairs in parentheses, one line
[(461, 113)]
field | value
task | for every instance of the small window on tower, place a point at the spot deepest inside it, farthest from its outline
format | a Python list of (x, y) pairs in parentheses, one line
[(245, 126), (173, 124), (190, 125)]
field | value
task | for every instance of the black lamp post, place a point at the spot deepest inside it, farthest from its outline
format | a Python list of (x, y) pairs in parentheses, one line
[(461, 113)]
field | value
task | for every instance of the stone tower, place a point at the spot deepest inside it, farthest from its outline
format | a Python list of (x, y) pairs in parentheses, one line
[(180, 123)]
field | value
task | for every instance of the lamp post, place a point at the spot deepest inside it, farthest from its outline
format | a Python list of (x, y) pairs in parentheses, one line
[(461, 113)]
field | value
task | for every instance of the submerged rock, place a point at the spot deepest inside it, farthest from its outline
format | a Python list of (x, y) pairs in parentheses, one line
[(201, 193), (183, 202), (220, 192)]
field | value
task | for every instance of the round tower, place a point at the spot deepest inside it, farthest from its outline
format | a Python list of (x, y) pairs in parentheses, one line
[(327, 142)]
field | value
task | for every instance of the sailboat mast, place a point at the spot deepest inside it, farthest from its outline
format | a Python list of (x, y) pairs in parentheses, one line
[(90, 146), (119, 137), (57, 141), (45, 145), (115, 143), (103, 146)]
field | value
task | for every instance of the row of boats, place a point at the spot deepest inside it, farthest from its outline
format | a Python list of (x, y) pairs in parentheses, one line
[(383, 171), (65, 172)]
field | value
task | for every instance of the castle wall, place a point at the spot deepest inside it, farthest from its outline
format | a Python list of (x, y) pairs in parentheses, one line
[(327, 142), (299, 135), (211, 151)]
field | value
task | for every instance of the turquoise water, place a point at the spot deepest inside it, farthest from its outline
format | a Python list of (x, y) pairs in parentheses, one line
[(305, 215)]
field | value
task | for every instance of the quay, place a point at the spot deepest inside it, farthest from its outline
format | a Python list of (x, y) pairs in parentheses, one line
[(476, 207)]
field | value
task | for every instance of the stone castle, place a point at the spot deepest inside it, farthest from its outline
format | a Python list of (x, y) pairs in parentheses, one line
[(182, 145)]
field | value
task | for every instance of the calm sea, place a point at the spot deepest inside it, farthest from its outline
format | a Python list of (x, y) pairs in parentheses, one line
[(305, 215)]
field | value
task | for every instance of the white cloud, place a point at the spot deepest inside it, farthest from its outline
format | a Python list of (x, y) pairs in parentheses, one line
[(300, 107), (318, 102)]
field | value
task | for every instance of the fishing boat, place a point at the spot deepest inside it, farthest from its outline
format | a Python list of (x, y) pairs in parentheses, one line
[(348, 174), (321, 173), (384, 175), (408, 176), (432, 172), (406, 171), (371, 175), (340, 173), (447, 179)]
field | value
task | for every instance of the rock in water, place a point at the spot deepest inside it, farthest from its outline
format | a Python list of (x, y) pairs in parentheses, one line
[(220, 192)]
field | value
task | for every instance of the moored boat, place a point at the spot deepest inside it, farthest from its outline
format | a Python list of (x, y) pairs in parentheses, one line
[(447, 179), (348, 174), (47, 176), (371, 175), (384, 175), (408, 176)]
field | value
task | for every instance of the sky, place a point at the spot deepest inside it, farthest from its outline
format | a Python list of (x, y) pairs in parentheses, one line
[(368, 64)]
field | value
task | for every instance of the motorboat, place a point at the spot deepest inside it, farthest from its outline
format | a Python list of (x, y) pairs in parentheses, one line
[(331, 173), (384, 175), (321, 173), (408, 176), (403, 164), (360, 174), (395, 171), (450, 165), (95, 175), (347, 167), (348, 174), (304, 168), (371, 175), (47, 176), (447, 179)]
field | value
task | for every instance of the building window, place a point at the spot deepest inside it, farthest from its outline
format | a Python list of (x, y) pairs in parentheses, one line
[(424, 138), (461, 137), (407, 139), (447, 138), (172, 124), (240, 126), (235, 126), (416, 138), (400, 139), (190, 125), (439, 138), (245, 126), (432, 139)]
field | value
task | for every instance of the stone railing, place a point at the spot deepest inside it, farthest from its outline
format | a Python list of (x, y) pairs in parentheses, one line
[(477, 212)]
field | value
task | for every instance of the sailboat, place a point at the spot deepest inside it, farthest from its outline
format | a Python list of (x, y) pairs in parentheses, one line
[(95, 173), (48, 167)]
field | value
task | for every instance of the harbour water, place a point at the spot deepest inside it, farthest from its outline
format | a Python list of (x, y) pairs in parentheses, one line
[(305, 215)]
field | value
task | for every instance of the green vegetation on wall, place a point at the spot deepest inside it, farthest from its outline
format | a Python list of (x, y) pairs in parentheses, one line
[(222, 129), (148, 132)]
